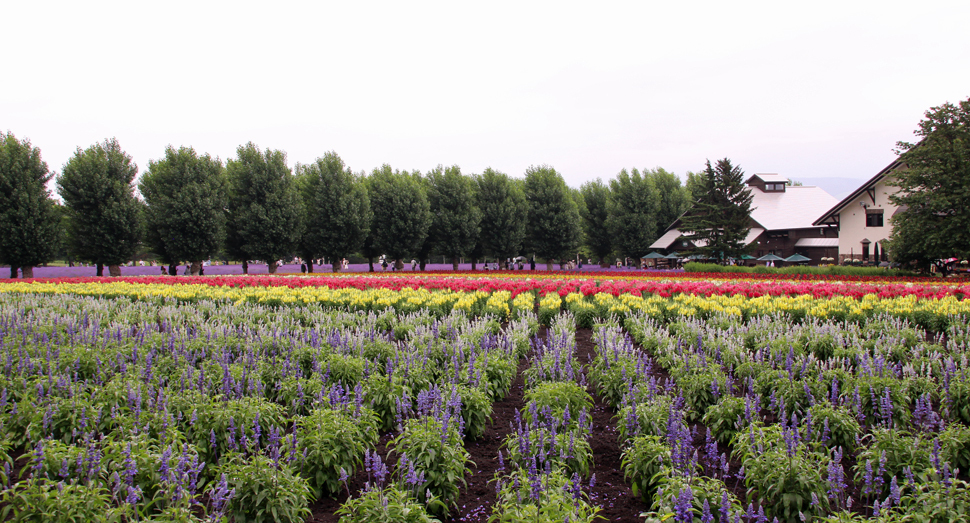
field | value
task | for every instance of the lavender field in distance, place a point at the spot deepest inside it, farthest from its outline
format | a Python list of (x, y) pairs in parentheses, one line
[(219, 270)]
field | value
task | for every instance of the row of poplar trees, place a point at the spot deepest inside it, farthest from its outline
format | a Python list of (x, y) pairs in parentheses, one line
[(254, 207)]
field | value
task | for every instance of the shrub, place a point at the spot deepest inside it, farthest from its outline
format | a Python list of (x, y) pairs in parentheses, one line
[(698, 391), (265, 490), (642, 463), (47, 502), (434, 449), (955, 443), (843, 429), (644, 418), (544, 498), (334, 442), (387, 505), (722, 418), (886, 453), (540, 447), (558, 396), (673, 487)]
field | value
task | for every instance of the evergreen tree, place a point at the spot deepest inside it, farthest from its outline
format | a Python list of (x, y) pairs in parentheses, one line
[(338, 214), (265, 211), (401, 213), (455, 216), (26, 208), (934, 190), (97, 185), (721, 218), (634, 202), (553, 227), (596, 213), (504, 213), (185, 196)]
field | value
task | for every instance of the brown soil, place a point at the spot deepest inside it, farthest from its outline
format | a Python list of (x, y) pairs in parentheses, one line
[(475, 504)]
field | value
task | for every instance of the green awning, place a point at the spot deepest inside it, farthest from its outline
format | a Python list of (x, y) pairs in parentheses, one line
[(771, 257)]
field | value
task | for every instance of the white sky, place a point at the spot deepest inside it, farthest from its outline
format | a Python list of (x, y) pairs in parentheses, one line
[(806, 89)]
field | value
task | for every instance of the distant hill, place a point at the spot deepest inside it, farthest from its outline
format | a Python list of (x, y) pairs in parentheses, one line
[(837, 187)]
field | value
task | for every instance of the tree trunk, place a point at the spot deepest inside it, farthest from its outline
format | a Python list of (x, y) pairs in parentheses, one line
[(100, 269), (399, 264), (423, 264), (271, 267), (337, 265), (27, 272), (454, 263), (309, 267), (173, 269), (549, 265), (114, 270), (13, 272), (245, 267), (196, 267), (370, 262), (474, 264)]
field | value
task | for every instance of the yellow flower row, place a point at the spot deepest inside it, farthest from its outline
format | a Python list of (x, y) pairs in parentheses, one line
[(501, 304)]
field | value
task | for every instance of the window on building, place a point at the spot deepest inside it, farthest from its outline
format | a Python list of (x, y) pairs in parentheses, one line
[(774, 187), (874, 219)]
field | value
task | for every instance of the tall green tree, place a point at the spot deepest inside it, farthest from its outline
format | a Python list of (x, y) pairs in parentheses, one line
[(26, 209), (185, 196), (934, 189), (265, 210), (97, 185), (553, 227), (504, 214), (721, 218), (402, 214), (595, 216), (634, 204), (674, 198), (695, 187), (338, 214), (455, 215)]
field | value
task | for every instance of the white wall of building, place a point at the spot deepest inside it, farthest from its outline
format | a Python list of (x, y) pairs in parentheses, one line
[(852, 222)]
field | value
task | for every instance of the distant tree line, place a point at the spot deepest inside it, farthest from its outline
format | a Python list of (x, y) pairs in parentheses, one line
[(194, 207)]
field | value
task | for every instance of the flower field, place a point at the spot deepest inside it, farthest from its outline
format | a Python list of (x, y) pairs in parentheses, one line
[(487, 398)]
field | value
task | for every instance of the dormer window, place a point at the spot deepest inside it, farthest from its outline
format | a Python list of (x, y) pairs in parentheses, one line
[(774, 187)]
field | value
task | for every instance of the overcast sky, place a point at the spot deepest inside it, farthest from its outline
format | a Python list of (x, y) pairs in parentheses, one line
[(824, 89)]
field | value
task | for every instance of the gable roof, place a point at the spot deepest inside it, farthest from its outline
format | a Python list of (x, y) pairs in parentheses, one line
[(829, 216), (768, 178), (794, 208)]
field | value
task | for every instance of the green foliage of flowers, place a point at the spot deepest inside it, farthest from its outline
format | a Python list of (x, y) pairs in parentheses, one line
[(722, 418), (888, 452), (558, 396), (568, 451), (436, 451), (543, 498), (49, 502), (266, 491), (335, 441), (388, 505), (648, 418), (642, 462), (843, 428)]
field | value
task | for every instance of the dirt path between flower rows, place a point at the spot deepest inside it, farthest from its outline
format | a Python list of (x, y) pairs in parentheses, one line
[(476, 500)]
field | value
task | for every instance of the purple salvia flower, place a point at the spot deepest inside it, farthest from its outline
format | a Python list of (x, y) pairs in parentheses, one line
[(683, 506)]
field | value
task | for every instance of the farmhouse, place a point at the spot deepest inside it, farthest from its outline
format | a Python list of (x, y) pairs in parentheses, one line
[(863, 218), (782, 219)]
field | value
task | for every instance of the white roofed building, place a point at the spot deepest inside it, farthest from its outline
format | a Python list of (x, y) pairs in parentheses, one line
[(782, 219), (863, 218)]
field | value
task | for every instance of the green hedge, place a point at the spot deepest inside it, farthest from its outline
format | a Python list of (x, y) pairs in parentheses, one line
[(833, 270)]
